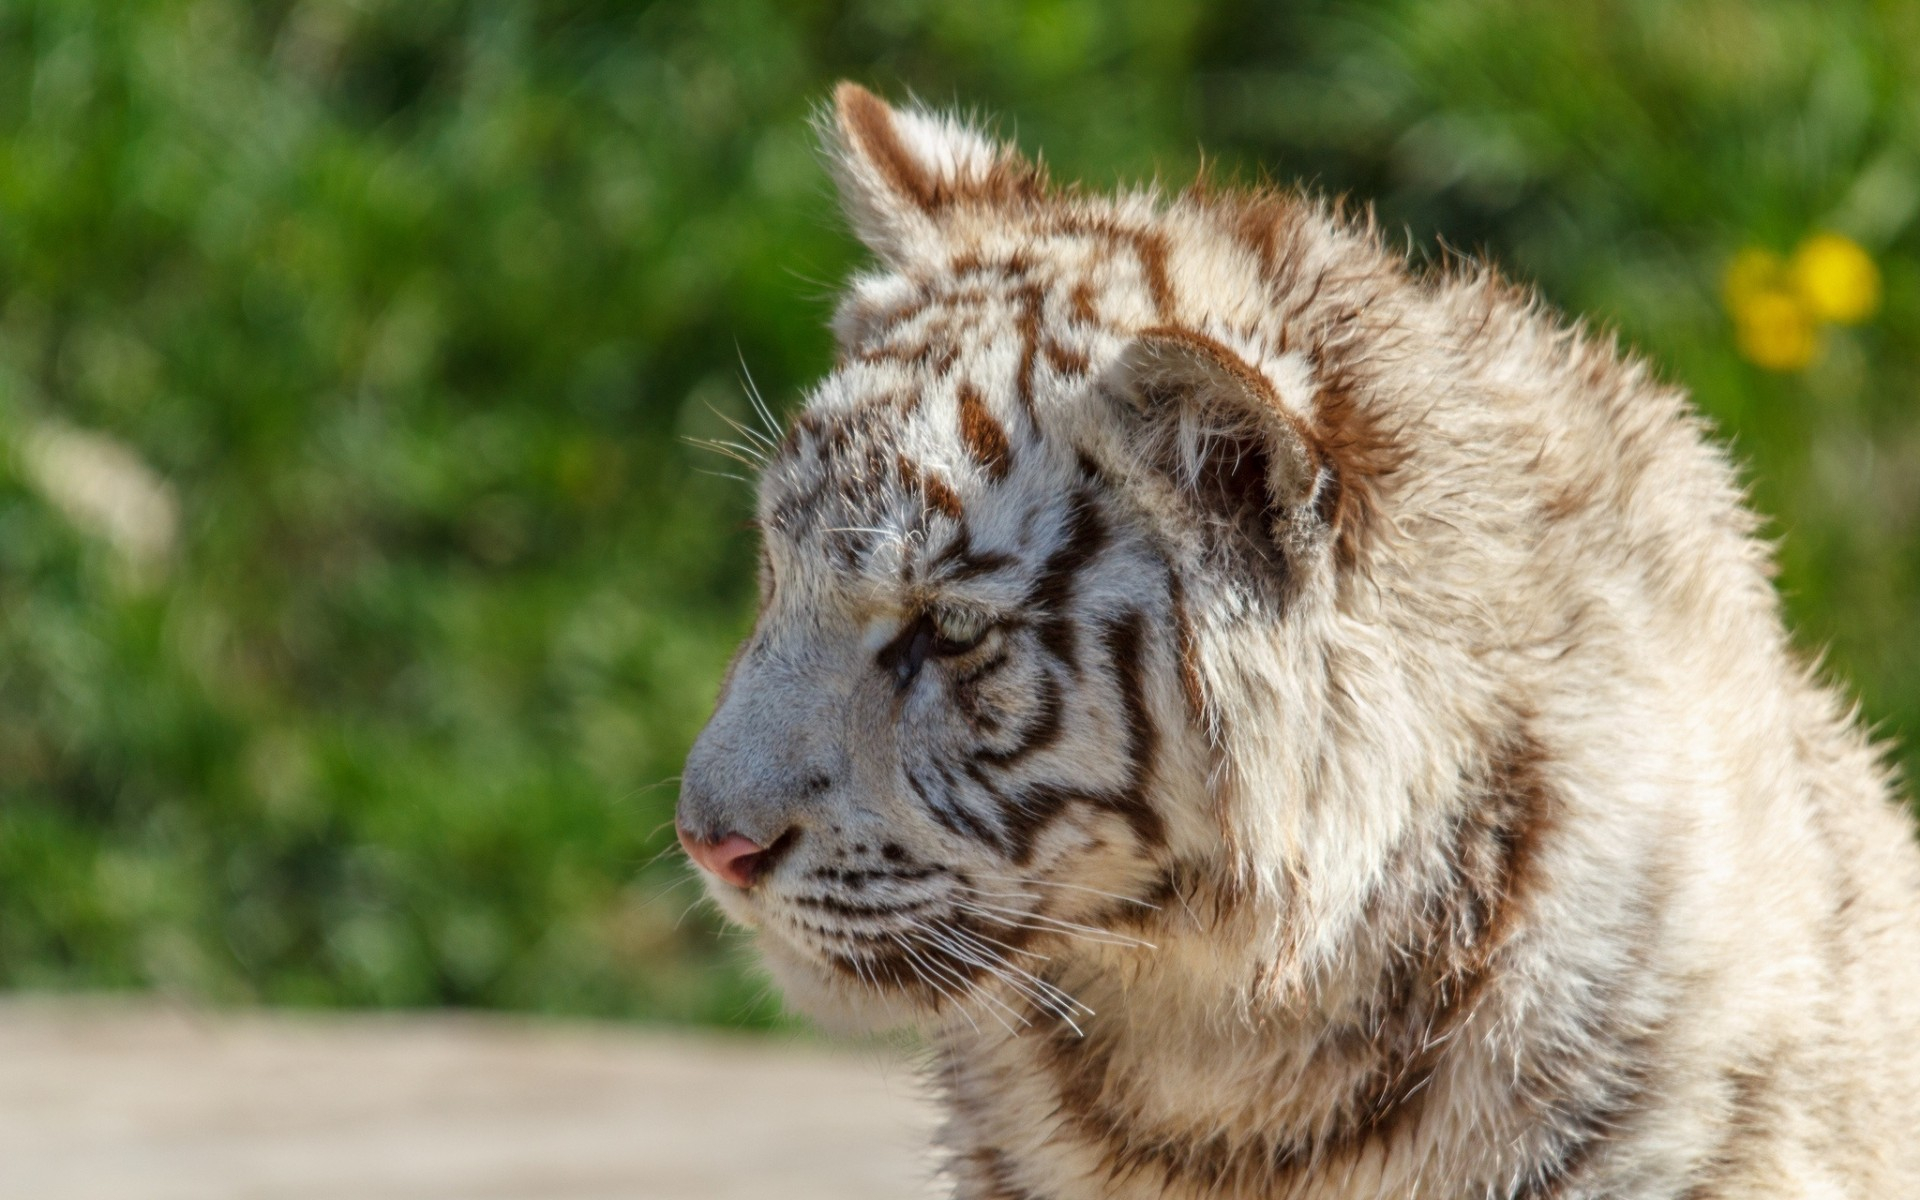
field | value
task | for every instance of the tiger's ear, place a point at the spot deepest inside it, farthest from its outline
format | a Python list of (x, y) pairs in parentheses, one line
[(903, 172), (1219, 430)]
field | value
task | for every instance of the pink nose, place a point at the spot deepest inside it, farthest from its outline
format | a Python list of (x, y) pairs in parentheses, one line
[(736, 859)]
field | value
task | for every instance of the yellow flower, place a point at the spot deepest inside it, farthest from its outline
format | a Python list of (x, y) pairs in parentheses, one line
[(1836, 278), (1751, 272), (1775, 329), (1778, 306)]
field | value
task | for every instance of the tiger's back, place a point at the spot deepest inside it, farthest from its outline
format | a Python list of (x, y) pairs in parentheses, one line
[(1290, 727)]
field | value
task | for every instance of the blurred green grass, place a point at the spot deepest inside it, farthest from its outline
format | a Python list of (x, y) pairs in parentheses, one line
[(411, 308)]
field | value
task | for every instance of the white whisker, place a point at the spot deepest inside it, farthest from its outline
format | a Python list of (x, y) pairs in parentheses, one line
[(1049, 996), (923, 966), (761, 442), (960, 982), (1051, 987), (860, 529), (1077, 887), (757, 400), (994, 967), (746, 456), (1016, 918)]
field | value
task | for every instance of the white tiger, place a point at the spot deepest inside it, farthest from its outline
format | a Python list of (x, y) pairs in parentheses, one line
[(1285, 726)]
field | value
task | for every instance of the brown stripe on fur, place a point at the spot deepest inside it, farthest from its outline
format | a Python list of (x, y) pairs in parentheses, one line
[(1065, 359), (935, 357), (1149, 249), (1264, 221), (908, 473), (1080, 303), (1084, 1074), (1188, 649), (1016, 265), (868, 123), (1450, 950), (985, 440), (1522, 812), (1364, 451), (1031, 301), (942, 498)]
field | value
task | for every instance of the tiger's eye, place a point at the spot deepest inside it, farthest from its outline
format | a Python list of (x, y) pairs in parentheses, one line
[(958, 631)]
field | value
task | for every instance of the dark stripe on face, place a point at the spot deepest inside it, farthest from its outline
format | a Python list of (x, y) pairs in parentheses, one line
[(1051, 596), (985, 440), (950, 811), (1125, 642), (965, 692), (843, 908), (960, 561), (1037, 806), (1041, 732)]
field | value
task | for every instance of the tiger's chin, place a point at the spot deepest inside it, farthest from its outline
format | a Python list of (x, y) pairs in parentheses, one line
[(835, 997)]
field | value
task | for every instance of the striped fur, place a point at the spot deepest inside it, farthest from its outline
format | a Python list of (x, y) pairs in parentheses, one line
[(1284, 726)]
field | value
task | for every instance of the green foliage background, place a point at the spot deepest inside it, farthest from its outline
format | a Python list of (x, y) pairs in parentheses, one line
[(413, 306)]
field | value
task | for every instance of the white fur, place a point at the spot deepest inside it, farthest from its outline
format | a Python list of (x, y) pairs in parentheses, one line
[(1522, 732)]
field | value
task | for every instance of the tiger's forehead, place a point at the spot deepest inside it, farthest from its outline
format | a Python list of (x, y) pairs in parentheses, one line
[(1060, 274), (950, 425)]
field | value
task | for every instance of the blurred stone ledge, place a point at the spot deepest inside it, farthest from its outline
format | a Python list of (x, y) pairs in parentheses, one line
[(129, 1100)]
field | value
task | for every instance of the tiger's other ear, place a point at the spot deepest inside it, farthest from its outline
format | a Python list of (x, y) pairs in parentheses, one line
[(902, 172), (1217, 428)]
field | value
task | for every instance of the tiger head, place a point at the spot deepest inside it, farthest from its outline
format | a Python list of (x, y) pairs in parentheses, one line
[(1079, 484)]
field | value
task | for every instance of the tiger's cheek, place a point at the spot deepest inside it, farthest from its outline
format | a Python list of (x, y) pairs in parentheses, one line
[(1002, 694)]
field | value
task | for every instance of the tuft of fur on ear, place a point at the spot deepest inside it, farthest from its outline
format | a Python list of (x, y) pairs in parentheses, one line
[(902, 171), (1216, 426)]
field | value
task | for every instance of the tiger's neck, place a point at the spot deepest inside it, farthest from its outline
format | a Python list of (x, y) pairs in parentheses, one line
[(1215, 1066)]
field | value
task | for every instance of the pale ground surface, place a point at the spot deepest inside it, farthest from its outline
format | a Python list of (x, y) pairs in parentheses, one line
[(115, 1101)]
